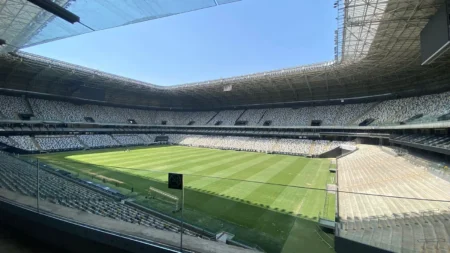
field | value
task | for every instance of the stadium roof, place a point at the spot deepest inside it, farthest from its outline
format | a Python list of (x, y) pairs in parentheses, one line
[(24, 24), (377, 52)]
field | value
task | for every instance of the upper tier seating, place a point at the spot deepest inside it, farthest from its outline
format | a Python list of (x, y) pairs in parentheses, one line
[(253, 116), (227, 118), (10, 107), (398, 110), (412, 110)]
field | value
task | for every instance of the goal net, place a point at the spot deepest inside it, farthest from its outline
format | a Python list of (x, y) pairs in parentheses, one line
[(165, 197)]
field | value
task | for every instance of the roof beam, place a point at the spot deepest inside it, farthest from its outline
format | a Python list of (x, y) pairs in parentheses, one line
[(274, 87), (292, 87), (15, 67), (88, 80), (37, 75), (60, 79), (309, 86)]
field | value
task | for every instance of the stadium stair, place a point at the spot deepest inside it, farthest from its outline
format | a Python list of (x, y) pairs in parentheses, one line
[(262, 116), (140, 138), (212, 117), (358, 119), (275, 146), (16, 144), (310, 117), (114, 138), (311, 148), (240, 115), (36, 144), (27, 102), (82, 143), (328, 146), (338, 115)]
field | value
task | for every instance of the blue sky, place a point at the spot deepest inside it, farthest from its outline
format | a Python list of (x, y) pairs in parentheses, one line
[(234, 39)]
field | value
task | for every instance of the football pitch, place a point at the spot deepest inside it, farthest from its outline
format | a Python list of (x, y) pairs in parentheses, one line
[(268, 200)]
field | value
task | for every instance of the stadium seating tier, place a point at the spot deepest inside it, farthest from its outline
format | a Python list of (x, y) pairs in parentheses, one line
[(390, 112)]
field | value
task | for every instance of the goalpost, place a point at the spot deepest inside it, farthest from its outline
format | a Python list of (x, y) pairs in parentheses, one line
[(165, 197)]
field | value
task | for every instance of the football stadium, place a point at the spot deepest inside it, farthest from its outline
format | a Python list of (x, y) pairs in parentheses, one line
[(348, 155)]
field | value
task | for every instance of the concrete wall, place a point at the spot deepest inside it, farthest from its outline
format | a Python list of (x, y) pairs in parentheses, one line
[(332, 153), (343, 245)]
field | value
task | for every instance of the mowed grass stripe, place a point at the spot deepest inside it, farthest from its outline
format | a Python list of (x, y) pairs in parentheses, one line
[(203, 161), (241, 189), (268, 194), (225, 169), (314, 198), (156, 163), (292, 197), (159, 172), (198, 170), (246, 173), (108, 155), (160, 162), (261, 160), (268, 172), (244, 162), (312, 172), (131, 157), (264, 194), (180, 163), (219, 186)]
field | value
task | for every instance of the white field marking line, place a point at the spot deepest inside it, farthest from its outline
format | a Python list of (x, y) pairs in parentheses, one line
[(303, 199), (297, 179), (300, 205), (297, 211)]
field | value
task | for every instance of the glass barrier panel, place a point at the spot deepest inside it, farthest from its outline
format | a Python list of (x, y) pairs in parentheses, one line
[(237, 200), (116, 199), (270, 203)]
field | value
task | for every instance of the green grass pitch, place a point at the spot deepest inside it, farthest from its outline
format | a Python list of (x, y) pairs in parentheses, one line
[(265, 200)]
